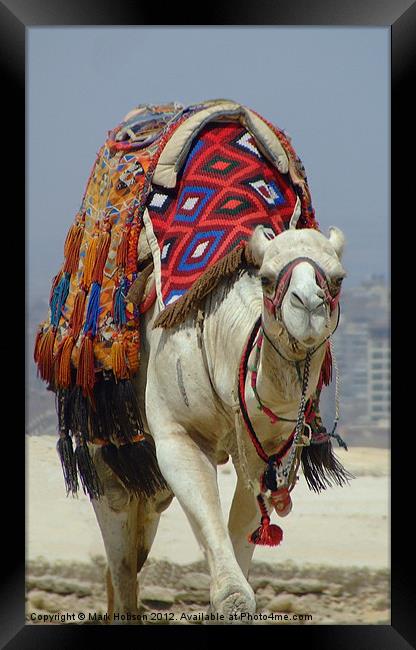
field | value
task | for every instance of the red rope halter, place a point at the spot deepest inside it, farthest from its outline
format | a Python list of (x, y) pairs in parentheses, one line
[(269, 534), (283, 281)]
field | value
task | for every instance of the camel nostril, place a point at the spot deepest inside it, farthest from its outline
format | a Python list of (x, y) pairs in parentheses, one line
[(295, 295), (318, 306)]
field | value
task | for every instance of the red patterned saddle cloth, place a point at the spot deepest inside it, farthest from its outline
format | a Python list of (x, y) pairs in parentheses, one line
[(226, 188)]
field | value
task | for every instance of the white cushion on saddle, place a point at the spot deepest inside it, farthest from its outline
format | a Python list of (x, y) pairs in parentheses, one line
[(175, 150)]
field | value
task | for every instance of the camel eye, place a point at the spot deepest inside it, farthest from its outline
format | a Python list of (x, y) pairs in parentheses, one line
[(336, 284), (266, 282)]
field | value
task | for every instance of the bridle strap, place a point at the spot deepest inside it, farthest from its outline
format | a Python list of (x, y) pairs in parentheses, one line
[(241, 391), (242, 375)]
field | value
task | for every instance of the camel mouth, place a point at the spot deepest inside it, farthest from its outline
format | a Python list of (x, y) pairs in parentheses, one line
[(310, 341), (297, 323)]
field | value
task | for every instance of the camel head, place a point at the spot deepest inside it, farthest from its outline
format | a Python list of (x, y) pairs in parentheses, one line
[(301, 276)]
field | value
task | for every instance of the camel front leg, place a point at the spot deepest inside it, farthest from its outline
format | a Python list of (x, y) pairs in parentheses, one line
[(243, 519), (192, 477)]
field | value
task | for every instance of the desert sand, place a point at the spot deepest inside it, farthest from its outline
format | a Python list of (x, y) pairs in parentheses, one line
[(338, 539), (340, 526)]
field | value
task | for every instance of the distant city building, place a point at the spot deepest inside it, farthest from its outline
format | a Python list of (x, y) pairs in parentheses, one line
[(378, 410), (362, 347), (351, 347)]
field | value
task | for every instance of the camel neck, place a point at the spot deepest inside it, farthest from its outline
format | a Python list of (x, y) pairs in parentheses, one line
[(279, 377), (279, 374), (230, 318)]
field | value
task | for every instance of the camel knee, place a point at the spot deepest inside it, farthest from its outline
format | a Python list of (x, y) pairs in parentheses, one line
[(116, 495)]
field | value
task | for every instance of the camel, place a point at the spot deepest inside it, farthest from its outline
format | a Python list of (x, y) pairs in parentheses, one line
[(187, 387)]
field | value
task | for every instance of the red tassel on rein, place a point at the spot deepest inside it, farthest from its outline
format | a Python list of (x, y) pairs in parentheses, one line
[(326, 369), (266, 534), (63, 362), (103, 246), (86, 372), (44, 352)]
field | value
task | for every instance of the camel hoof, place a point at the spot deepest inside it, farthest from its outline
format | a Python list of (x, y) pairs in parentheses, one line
[(233, 606)]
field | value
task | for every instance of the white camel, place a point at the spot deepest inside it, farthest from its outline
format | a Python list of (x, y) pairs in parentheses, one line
[(188, 396)]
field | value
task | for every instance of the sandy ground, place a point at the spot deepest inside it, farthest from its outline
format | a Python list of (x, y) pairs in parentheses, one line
[(341, 526), (331, 568)]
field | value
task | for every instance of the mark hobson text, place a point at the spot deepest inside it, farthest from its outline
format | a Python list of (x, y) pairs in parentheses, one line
[(168, 617)]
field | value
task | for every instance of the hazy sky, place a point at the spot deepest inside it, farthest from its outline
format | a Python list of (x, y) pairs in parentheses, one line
[(327, 87)]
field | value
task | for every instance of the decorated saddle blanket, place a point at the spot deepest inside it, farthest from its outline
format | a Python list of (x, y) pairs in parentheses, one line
[(225, 189), (187, 185)]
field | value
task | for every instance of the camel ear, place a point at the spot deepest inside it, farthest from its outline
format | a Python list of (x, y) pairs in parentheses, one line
[(257, 245), (337, 239)]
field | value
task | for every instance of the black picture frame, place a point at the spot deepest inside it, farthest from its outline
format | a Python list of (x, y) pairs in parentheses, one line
[(16, 17)]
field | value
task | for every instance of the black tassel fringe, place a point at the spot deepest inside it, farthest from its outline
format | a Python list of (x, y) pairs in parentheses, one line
[(136, 466), (69, 467), (115, 413), (321, 467), (113, 417), (88, 474)]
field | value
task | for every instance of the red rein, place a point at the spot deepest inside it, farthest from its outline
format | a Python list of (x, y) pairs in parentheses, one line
[(268, 534)]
